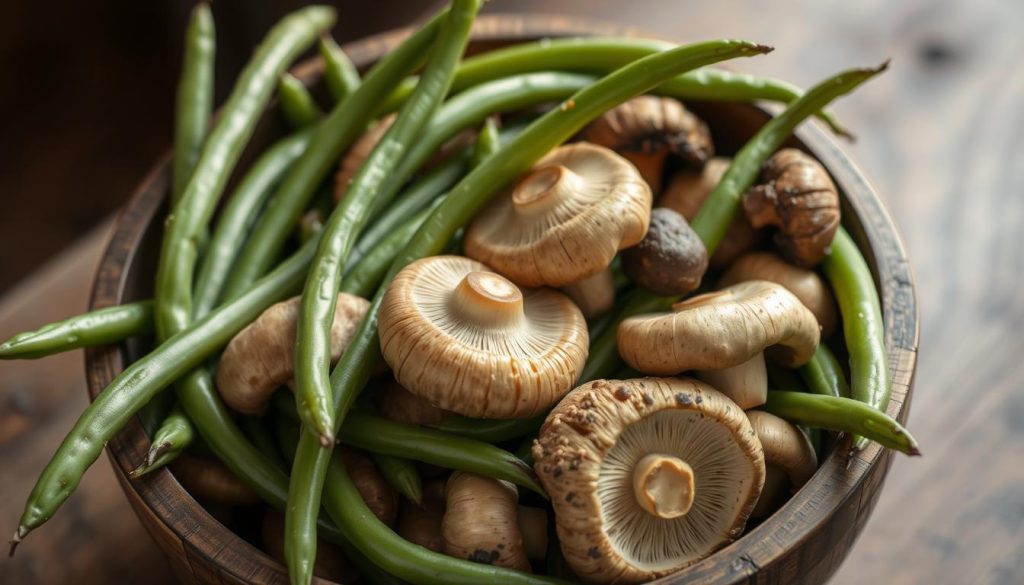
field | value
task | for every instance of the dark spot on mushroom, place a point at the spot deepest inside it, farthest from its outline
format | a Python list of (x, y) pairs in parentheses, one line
[(683, 399), (594, 552), (647, 399), (501, 546), (574, 465), (622, 393), (590, 418), (699, 399), (486, 557), (558, 471), (569, 496)]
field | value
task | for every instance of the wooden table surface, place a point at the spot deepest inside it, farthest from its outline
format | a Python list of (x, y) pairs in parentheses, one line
[(941, 134)]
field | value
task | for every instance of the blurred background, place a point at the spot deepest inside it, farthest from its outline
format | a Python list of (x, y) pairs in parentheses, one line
[(87, 100)]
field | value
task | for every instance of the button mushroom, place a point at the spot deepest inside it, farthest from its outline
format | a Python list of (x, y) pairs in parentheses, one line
[(720, 330), (647, 476), (357, 155), (646, 129), (670, 260), (594, 295), (261, 357), (805, 284), (797, 196), (565, 220), (480, 522), (788, 457), (470, 341)]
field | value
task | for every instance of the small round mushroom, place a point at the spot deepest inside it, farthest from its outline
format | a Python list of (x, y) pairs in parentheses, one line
[(398, 404), (468, 340), (594, 295), (380, 497), (260, 358), (565, 220), (670, 260), (211, 481), (788, 457), (805, 284), (422, 524), (797, 196), (646, 129), (480, 522), (357, 155), (647, 476), (330, 563)]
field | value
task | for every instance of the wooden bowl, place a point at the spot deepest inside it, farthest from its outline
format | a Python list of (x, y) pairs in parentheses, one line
[(805, 541)]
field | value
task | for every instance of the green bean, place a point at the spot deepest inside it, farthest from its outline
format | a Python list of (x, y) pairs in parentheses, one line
[(823, 374), (843, 415), (400, 557), (173, 436), (367, 275), (489, 431), (601, 55), (297, 105), (257, 432), (99, 327), (400, 474), (339, 129), (194, 101), (340, 74), (721, 205), (488, 141)]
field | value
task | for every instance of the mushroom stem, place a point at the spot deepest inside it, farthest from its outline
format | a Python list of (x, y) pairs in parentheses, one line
[(663, 486), (488, 299), (746, 384), (544, 188)]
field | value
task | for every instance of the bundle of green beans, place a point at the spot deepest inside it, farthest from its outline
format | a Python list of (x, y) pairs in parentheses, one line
[(212, 283)]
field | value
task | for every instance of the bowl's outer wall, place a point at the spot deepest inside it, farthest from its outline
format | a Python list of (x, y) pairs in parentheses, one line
[(804, 542)]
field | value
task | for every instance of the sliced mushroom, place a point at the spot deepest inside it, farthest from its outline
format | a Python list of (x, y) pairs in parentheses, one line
[(422, 524), (398, 404), (647, 476), (594, 295), (468, 340), (646, 129), (565, 220), (211, 481), (379, 496), (805, 284), (798, 197), (788, 457), (746, 383), (260, 358), (670, 260), (330, 563), (480, 522), (357, 155)]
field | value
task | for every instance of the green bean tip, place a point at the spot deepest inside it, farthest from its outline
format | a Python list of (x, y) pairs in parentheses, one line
[(16, 539)]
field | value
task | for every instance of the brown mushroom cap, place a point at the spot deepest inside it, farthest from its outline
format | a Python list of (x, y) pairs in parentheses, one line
[(480, 522), (211, 481), (330, 563), (788, 454), (357, 155), (797, 196), (398, 404), (379, 496), (721, 329), (646, 129), (261, 357), (670, 260), (594, 295), (646, 476), (565, 220), (422, 524), (805, 284), (470, 341)]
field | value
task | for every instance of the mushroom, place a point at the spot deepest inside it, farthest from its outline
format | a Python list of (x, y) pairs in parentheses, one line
[(805, 284), (799, 198), (422, 524), (789, 460), (480, 522), (724, 329), (468, 340), (211, 481), (594, 295), (670, 260), (533, 524), (379, 496), (398, 404), (646, 129), (261, 357), (647, 476), (686, 192), (565, 220), (357, 155), (330, 563)]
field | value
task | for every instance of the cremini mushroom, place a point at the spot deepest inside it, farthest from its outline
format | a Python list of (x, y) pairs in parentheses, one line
[(799, 198), (805, 284), (480, 522), (211, 481), (379, 496), (422, 524), (398, 404), (330, 562), (594, 295), (260, 358), (647, 129), (357, 155), (670, 260), (468, 340), (686, 192), (788, 457), (565, 220), (646, 476)]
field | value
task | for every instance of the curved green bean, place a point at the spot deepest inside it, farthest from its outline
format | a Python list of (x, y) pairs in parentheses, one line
[(488, 430), (173, 436), (255, 429), (401, 474), (98, 327), (823, 374), (297, 105), (367, 274), (340, 74), (194, 100), (488, 141)]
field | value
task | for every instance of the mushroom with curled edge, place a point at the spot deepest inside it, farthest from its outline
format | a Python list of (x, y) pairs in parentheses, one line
[(480, 522), (686, 192), (724, 329), (469, 341), (647, 129), (261, 357), (594, 295), (565, 220), (805, 284), (670, 260), (789, 460), (799, 198), (647, 476), (357, 155)]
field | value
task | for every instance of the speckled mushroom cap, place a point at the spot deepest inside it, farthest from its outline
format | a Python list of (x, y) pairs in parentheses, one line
[(622, 519), (720, 330), (468, 340), (565, 220)]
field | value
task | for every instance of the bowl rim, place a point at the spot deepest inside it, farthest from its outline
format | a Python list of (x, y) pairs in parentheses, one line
[(837, 479)]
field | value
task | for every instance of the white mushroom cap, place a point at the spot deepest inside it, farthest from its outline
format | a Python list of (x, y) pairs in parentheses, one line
[(470, 341), (565, 220), (647, 476)]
